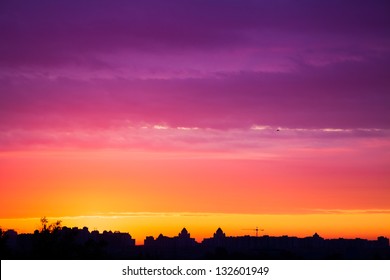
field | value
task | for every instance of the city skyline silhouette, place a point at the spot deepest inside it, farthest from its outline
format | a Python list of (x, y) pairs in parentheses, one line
[(55, 241)]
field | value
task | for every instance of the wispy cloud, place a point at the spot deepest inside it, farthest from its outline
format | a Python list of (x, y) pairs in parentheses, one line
[(121, 215), (124, 215), (350, 211), (257, 139)]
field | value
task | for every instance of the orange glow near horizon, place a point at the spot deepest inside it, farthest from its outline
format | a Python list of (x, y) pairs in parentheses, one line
[(286, 197), (85, 184), (203, 225)]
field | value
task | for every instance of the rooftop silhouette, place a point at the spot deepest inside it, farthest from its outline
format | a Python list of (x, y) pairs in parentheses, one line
[(56, 242)]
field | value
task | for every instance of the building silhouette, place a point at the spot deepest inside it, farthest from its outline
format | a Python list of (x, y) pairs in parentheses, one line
[(284, 247), (66, 243), (181, 246), (75, 243)]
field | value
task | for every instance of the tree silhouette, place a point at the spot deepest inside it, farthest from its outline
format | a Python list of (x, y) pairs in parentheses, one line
[(54, 227), (44, 222)]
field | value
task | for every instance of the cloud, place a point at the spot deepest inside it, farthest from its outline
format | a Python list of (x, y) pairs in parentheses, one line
[(346, 95), (121, 215), (80, 72), (254, 142), (124, 215), (160, 127), (98, 35), (351, 211)]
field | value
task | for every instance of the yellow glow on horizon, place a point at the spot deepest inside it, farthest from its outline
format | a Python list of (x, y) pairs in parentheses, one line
[(93, 188), (203, 225)]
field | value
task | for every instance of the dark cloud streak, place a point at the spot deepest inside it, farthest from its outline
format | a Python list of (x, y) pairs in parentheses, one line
[(351, 95), (93, 63), (65, 32)]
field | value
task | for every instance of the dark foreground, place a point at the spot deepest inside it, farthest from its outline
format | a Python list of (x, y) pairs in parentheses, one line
[(78, 244)]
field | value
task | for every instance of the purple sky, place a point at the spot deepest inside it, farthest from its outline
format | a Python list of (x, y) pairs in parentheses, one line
[(220, 66)]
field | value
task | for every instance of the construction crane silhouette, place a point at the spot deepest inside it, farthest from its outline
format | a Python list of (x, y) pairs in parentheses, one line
[(254, 229)]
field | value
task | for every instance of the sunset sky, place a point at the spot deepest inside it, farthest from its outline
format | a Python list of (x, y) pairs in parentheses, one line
[(148, 116)]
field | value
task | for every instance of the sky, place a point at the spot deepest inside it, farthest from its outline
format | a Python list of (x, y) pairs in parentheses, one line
[(147, 116)]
